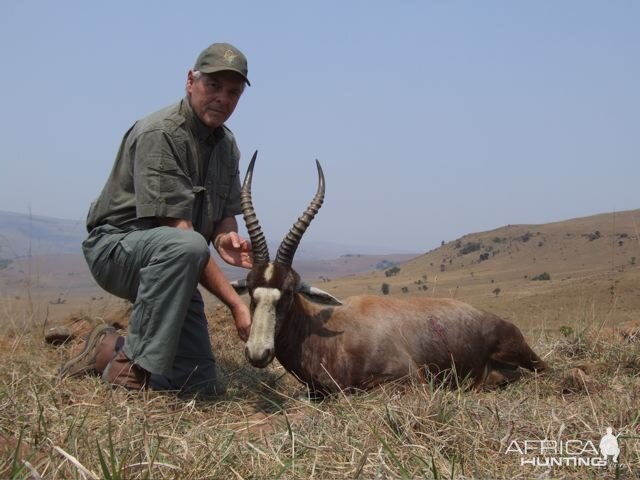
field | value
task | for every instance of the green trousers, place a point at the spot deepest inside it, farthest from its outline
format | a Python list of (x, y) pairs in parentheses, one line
[(158, 271)]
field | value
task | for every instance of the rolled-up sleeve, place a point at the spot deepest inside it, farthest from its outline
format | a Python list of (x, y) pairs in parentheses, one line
[(162, 188)]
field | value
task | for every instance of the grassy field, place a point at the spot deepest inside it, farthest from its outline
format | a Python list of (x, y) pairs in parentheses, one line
[(81, 428)]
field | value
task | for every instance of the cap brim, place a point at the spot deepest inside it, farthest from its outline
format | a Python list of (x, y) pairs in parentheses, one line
[(225, 69)]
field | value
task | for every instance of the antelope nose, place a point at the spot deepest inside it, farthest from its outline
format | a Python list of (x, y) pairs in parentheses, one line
[(259, 359)]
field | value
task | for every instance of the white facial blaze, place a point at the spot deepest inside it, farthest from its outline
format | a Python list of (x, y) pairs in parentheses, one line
[(268, 273), (263, 324)]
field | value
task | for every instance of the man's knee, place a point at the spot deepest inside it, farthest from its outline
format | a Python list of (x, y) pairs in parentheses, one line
[(189, 246)]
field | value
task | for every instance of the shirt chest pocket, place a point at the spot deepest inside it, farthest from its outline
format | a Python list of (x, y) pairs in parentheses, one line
[(218, 198)]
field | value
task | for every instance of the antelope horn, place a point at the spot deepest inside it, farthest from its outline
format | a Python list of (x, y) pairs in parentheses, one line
[(258, 242), (289, 245)]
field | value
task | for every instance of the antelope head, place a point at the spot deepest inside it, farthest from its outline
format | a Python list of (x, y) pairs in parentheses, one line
[(274, 285)]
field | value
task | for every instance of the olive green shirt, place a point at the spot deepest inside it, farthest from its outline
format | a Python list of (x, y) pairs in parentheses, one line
[(171, 165)]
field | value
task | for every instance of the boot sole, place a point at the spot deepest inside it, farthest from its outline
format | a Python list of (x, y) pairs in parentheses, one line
[(84, 363)]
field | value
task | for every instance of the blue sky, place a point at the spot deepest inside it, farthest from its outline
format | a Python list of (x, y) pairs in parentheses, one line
[(431, 119)]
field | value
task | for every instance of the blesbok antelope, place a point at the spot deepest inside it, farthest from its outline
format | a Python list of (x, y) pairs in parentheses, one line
[(365, 340)]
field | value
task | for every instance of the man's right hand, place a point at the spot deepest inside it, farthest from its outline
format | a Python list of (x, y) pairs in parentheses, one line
[(234, 249)]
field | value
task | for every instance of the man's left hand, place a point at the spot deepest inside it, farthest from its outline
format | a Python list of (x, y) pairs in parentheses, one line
[(234, 249)]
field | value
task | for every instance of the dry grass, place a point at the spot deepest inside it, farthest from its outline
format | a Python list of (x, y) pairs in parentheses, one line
[(83, 429)]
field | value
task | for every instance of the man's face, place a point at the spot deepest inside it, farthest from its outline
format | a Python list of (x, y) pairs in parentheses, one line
[(214, 96)]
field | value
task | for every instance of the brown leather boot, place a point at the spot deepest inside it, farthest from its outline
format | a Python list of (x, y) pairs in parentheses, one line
[(122, 372), (99, 348)]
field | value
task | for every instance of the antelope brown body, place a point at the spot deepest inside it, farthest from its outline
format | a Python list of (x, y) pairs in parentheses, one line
[(366, 340)]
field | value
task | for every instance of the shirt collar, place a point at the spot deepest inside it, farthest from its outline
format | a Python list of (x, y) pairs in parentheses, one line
[(199, 129)]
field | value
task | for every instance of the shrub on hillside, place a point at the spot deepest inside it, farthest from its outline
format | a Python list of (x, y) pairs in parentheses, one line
[(392, 271), (525, 238), (593, 236), (384, 264), (541, 277), (470, 247)]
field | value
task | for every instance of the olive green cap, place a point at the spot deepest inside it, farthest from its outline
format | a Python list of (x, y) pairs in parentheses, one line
[(218, 57)]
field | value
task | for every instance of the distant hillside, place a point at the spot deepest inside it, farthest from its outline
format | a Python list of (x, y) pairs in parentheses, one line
[(595, 243), (605, 241), (21, 235), (524, 268), (43, 254)]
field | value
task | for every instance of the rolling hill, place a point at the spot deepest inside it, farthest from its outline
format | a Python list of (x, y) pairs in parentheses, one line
[(522, 271)]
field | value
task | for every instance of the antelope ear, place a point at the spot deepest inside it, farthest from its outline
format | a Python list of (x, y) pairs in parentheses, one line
[(316, 295), (240, 286)]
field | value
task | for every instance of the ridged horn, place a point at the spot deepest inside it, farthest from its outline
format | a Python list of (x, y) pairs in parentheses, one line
[(289, 245), (258, 241)]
